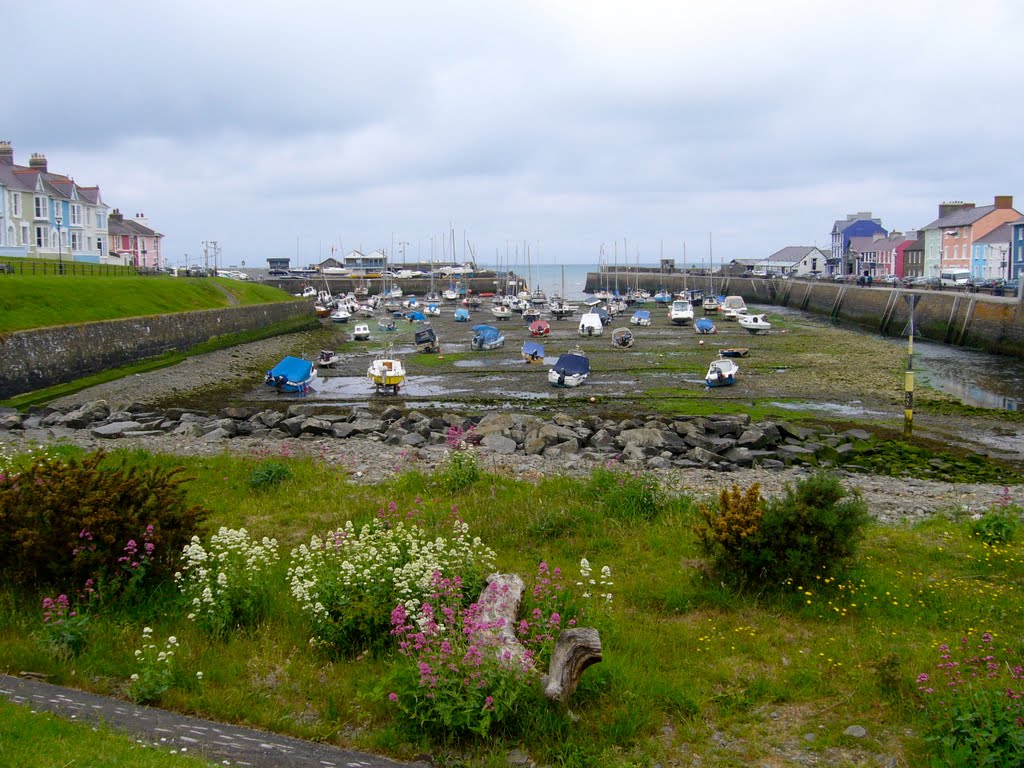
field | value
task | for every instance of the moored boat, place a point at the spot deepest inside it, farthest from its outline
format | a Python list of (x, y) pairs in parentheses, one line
[(486, 337), (540, 328), (361, 332), (755, 324), (641, 317), (327, 358), (681, 312), (426, 340), (732, 307), (704, 325), (532, 351), (721, 373), (292, 374), (570, 370), (622, 338), (590, 324), (386, 372)]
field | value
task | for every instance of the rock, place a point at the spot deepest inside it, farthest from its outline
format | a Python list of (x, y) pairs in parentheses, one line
[(563, 449), (315, 426), (115, 429), (643, 437), (81, 417), (856, 731), (362, 426), (498, 443)]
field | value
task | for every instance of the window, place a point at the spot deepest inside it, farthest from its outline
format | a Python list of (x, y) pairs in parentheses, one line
[(76, 215), (42, 207), (99, 244), (76, 240), (16, 205), (40, 237), (24, 234)]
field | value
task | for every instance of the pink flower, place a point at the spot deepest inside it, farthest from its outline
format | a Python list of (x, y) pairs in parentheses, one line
[(393, 696)]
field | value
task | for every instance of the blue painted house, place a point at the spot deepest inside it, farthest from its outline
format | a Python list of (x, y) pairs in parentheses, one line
[(1017, 249), (841, 261)]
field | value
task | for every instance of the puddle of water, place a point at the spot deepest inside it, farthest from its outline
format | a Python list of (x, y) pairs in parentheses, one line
[(468, 363), (342, 387), (850, 409)]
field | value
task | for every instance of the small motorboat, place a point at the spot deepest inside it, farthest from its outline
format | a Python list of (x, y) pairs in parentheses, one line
[(361, 332), (501, 312), (732, 307), (734, 352), (561, 310), (641, 317), (663, 297), (570, 370), (591, 325), (321, 310), (327, 358), (387, 324), (461, 315), (340, 315), (531, 314), (681, 312), (292, 374), (540, 328), (415, 316), (710, 304), (721, 373), (622, 338), (426, 340), (432, 310), (755, 324), (532, 351), (486, 337), (704, 325), (386, 373), (411, 303)]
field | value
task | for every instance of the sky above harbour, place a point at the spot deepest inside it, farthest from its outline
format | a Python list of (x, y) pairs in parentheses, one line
[(560, 127)]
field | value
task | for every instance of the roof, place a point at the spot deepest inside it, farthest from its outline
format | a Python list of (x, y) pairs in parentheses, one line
[(129, 227), (1001, 234), (791, 254), (962, 217), (866, 244)]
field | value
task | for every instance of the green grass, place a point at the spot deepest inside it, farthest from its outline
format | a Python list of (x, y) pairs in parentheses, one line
[(42, 740), (35, 302), (683, 657)]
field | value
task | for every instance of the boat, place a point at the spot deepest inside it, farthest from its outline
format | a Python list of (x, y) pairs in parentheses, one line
[(292, 374), (361, 332), (486, 337), (386, 372), (411, 303), (432, 310), (569, 370), (663, 297), (721, 373), (559, 307), (450, 294), (387, 324), (641, 317), (734, 352), (532, 351), (755, 324), (704, 325), (591, 325), (681, 312), (531, 314), (501, 312), (622, 338), (426, 340), (461, 315), (340, 315), (732, 307), (540, 328), (321, 310), (415, 317), (710, 304), (327, 358)]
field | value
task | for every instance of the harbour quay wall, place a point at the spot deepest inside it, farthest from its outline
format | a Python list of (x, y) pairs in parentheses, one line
[(44, 357), (974, 320)]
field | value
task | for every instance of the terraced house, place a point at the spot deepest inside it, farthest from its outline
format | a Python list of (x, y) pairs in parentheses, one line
[(949, 240), (49, 215)]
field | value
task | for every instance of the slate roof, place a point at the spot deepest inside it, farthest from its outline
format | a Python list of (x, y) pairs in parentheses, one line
[(129, 227), (961, 218), (792, 254), (1001, 234)]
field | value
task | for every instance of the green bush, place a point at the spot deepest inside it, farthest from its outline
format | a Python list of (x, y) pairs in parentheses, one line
[(458, 471), (269, 474), (807, 532), (998, 524), (64, 521), (625, 495)]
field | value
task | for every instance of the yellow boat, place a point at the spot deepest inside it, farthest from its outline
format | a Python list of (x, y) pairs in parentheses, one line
[(387, 372)]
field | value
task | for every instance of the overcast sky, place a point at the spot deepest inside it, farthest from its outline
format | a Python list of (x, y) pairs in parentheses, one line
[(281, 129)]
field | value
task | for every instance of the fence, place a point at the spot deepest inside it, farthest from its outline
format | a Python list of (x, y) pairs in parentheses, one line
[(33, 268)]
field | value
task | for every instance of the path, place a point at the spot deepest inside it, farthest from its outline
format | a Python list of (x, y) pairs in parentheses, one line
[(219, 742)]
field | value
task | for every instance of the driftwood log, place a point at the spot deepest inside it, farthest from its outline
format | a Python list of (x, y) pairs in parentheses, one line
[(575, 650)]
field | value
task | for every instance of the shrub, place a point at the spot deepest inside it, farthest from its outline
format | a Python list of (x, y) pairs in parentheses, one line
[(998, 524), (459, 469), (974, 707), (807, 532), (625, 494), (65, 628), (349, 581), (269, 474), (157, 669), (227, 584), (68, 520)]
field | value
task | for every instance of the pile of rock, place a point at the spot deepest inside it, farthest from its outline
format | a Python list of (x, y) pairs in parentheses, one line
[(726, 442)]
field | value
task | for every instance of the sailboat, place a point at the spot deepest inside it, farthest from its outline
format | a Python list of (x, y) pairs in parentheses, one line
[(560, 308)]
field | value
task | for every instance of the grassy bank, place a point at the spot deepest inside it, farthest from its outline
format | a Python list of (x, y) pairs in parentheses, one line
[(694, 672), (35, 302)]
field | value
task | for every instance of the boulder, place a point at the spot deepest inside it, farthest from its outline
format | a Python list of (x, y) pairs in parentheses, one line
[(498, 443)]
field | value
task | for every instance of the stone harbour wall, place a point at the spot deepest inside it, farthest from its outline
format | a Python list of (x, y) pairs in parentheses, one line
[(44, 357)]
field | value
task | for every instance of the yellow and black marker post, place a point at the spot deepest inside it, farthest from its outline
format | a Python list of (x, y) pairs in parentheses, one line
[(908, 381)]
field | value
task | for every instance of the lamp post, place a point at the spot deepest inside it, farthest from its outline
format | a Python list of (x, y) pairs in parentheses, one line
[(58, 220)]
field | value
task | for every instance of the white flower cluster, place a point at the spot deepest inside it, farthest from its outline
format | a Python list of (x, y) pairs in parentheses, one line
[(220, 578), (602, 586), (332, 575)]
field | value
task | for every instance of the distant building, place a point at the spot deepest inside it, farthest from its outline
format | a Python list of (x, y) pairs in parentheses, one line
[(48, 215), (278, 264), (990, 254), (793, 260), (841, 261), (361, 265), (1017, 251), (133, 242), (949, 240), (913, 258)]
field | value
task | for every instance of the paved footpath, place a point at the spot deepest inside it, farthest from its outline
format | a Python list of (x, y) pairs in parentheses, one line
[(225, 744)]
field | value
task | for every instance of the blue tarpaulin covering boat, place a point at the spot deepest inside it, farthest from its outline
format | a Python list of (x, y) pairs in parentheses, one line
[(570, 370), (292, 374), (641, 317), (533, 351), (461, 315), (704, 325), (487, 337)]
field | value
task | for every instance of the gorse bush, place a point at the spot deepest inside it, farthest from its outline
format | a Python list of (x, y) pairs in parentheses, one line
[(229, 583), (973, 705), (806, 533), (269, 474), (64, 521), (624, 494)]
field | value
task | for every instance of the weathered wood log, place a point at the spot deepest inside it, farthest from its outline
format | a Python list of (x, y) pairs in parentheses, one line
[(575, 650), (499, 604)]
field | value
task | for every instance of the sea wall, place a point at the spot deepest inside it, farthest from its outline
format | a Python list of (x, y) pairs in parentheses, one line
[(43, 357), (975, 320)]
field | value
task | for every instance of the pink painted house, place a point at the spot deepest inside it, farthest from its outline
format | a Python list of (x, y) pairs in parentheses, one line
[(134, 241)]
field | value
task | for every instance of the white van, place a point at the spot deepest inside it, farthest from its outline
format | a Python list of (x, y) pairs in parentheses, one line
[(955, 278)]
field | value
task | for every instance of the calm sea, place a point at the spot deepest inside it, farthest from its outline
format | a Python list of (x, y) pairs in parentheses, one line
[(549, 278)]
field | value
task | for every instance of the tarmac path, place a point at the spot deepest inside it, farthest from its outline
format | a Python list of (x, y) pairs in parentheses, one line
[(219, 742)]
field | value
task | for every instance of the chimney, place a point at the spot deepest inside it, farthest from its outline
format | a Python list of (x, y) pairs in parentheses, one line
[(38, 162), (6, 153), (947, 208), (1003, 202), (115, 215)]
